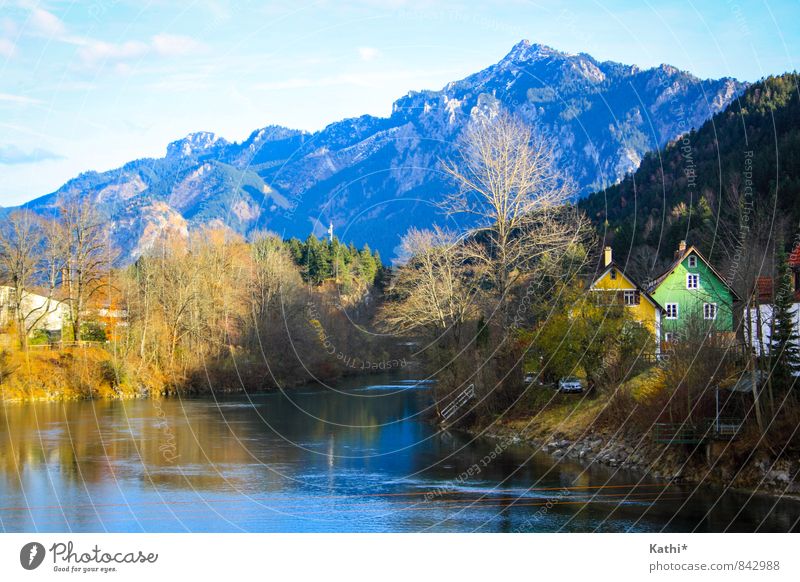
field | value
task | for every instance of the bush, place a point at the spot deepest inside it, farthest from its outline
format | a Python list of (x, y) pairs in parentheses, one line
[(39, 337), (113, 373), (93, 332), (6, 367)]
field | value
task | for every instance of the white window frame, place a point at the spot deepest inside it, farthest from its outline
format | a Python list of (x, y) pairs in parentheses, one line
[(669, 336), (666, 310), (696, 278), (692, 262), (628, 293), (705, 311)]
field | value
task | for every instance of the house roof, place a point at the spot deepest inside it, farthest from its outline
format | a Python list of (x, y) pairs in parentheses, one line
[(639, 288), (764, 289), (794, 257), (674, 265)]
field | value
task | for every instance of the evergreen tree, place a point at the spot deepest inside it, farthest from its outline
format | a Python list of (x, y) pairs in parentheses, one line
[(784, 340), (296, 250), (316, 260), (367, 267), (321, 260)]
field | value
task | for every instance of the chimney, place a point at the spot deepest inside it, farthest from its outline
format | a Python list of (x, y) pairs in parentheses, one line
[(681, 249), (607, 256)]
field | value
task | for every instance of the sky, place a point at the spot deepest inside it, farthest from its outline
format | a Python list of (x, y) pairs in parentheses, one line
[(91, 85)]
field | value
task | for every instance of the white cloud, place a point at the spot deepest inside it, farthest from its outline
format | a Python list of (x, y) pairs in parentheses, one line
[(8, 27), (21, 99), (7, 48), (47, 23), (368, 53), (93, 51), (170, 45)]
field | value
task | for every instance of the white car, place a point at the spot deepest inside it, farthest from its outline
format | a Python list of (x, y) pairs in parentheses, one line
[(570, 384)]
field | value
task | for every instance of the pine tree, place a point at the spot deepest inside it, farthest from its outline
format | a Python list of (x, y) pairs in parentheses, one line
[(368, 269), (784, 340), (296, 249)]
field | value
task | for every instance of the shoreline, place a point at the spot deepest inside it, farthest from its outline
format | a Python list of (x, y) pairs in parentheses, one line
[(167, 390), (759, 476)]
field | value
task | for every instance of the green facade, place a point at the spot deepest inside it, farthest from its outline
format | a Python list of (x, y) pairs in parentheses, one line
[(672, 289)]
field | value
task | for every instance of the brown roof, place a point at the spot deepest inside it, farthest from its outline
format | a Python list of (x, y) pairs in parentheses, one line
[(764, 288), (794, 258)]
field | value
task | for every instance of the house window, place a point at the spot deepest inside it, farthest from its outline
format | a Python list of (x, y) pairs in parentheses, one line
[(669, 336), (613, 273), (692, 261), (709, 310), (672, 310), (631, 298), (692, 281)]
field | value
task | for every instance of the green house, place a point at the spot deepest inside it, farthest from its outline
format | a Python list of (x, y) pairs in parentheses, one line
[(692, 290)]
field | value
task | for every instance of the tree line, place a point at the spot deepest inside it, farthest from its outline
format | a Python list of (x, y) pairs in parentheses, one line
[(191, 312)]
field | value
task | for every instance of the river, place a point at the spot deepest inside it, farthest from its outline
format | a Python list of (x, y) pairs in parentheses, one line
[(358, 458)]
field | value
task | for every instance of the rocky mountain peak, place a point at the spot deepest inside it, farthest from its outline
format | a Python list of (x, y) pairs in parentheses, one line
[(194, 144), (525, 51)]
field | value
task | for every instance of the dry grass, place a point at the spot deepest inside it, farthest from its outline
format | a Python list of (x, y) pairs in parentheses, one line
[(545, 412), (68, 374)]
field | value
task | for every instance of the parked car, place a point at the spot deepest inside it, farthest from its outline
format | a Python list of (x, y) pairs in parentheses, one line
[(570, 384)]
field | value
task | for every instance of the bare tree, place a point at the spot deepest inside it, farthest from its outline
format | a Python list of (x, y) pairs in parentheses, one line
[(21, 240), (435, 288), (88, 256), (510, 185), (272, 273)]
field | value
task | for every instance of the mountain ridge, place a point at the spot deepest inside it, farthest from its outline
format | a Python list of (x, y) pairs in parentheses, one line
[(603, 116)]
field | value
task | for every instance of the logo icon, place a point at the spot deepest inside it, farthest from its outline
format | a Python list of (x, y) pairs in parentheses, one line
[(31, 555)]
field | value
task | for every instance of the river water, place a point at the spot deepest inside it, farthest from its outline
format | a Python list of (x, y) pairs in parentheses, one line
[(358, 458)]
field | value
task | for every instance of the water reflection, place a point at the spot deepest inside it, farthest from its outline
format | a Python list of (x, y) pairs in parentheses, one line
[(356, 459)]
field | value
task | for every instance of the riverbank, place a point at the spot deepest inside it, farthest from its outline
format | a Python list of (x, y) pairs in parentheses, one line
[(729, 464), (615, 429), (78, 373), (94, 373)]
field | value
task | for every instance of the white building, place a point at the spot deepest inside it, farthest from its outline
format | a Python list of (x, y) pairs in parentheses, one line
[(40, 312), (761, 319)]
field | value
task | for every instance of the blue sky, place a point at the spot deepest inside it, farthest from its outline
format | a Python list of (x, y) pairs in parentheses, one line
[(91, 85)]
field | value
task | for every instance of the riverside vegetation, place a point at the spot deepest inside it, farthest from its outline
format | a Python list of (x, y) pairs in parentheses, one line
[(205, 312)]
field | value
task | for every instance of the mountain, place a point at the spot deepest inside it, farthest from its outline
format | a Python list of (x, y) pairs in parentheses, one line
[(731, 187), (375, 177)]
